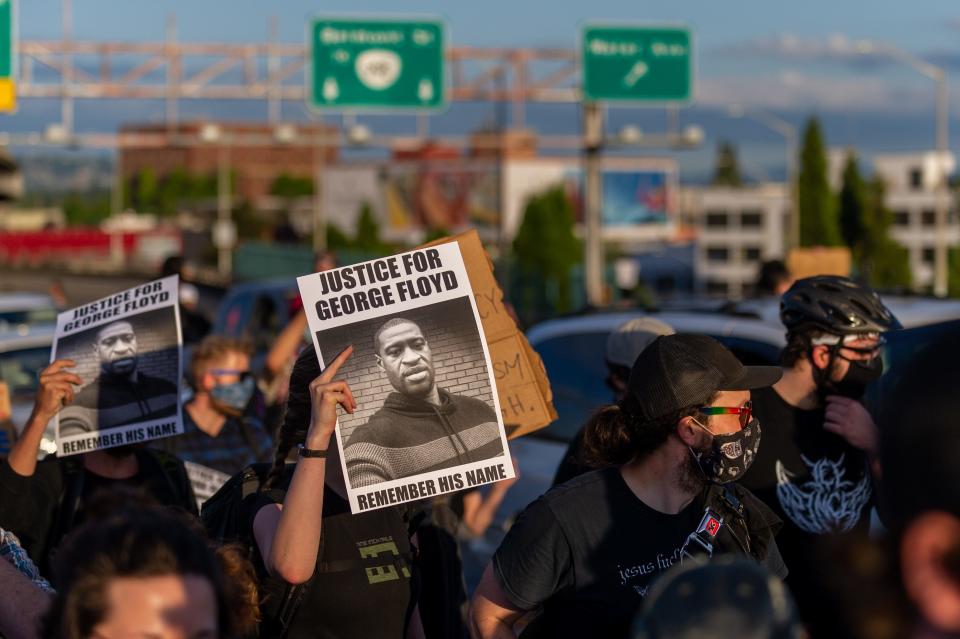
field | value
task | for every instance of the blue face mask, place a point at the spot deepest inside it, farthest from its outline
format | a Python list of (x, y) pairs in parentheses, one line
[(234, 396)]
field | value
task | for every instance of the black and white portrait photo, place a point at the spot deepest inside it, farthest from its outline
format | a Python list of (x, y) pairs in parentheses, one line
[(423, 393)]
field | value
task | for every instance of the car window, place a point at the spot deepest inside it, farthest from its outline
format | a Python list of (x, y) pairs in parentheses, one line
[(31, 316), (20, 369), (576, 369)]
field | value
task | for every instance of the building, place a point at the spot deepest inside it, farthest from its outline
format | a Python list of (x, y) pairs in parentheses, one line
[(255, 153), (911, 180), (735, 229)]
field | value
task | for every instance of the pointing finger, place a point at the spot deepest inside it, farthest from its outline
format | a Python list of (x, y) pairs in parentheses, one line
[(331, 370)]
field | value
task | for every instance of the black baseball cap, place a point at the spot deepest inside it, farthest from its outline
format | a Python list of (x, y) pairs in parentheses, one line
[(683, 370)]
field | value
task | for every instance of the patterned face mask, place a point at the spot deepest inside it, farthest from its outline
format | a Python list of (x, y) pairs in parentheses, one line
[(729, 456), (234, 397)]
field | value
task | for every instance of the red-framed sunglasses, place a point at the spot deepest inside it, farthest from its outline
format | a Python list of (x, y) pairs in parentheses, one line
[(745, 411)]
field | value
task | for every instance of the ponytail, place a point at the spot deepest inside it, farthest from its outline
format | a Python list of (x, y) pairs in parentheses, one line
[(616, 434)]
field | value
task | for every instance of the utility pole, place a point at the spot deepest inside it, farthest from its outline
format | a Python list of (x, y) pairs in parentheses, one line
[(66, 104), (319, 215), (224, 205), (593, 199), (940, 261)]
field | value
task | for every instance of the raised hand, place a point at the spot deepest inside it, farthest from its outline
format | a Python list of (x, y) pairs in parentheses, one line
[(56, 389), (326, 393)]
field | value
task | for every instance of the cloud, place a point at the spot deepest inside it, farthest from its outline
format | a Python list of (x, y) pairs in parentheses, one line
[(835, 49), (792, 90)]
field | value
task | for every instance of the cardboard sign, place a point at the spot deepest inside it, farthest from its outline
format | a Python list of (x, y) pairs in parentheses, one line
[(819, 260), (522, 384)]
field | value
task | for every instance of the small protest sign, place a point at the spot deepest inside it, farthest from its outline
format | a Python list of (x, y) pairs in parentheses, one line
[(127, 349), (205, 481), (426, 421)]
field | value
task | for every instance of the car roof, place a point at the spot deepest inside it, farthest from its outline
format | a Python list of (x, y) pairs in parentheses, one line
[(24, 301), (683, 322)]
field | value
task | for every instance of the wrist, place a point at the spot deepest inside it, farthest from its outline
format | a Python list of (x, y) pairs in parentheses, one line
[(318, 441)]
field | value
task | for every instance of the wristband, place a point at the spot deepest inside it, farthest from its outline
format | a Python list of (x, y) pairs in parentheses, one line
[(320, 453)]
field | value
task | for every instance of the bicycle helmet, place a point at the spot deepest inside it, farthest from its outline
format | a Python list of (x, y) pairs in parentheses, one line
[(835, 305)]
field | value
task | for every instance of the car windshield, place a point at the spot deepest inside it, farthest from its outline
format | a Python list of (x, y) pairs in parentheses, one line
[(20, 369), (27, 316)]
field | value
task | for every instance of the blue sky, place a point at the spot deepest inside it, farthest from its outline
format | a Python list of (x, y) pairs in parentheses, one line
[(791, 58)]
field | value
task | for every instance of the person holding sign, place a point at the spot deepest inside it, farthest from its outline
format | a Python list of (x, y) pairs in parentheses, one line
[(587, 551), (42, 502), (121, 394), (421, 427), (359, 567)]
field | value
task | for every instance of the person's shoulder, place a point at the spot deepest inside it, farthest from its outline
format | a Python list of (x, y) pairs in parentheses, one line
[(755, 510), (87, 396), (379, 429), (586, 487)]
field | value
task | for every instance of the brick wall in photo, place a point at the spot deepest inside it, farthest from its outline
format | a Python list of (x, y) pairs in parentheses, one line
[(451, 331)]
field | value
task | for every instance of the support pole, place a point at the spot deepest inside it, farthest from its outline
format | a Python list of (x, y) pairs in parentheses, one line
[(593, 201), (940, 261)]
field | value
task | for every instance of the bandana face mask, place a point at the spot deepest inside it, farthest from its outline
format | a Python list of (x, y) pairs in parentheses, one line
[(729, 456), (234, 397)]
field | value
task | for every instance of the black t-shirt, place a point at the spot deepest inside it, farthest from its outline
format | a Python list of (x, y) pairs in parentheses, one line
[(365, 584), (587, 551), (817, 483)]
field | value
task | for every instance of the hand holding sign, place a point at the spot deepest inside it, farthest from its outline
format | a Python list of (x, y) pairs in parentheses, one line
[(325, 395), (56, 389)]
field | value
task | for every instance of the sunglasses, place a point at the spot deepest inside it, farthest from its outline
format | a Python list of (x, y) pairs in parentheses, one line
[(745, 411)]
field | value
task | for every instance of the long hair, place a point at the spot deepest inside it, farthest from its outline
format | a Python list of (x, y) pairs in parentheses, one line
[(616, 434), (296, 417), (139, 542)]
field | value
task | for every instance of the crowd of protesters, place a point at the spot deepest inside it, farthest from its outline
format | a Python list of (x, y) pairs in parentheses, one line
[(710, 499)]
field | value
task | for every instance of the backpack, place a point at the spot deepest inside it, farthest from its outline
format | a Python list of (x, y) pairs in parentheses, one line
[(227, 518)]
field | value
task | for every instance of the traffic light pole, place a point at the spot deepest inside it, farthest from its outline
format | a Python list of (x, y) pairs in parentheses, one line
[(593, 199)]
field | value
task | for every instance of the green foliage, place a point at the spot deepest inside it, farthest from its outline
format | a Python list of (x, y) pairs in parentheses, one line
[(883, 262), (286, 185), (337, 240), (953, 272), (250, 225), (435, 234), (545, 249), (86, 210), (853, 204), (368, 232), (145, 191), (163, 196), (818, 218), (726, 171)]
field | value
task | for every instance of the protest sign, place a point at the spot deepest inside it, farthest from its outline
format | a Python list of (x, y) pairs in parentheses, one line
[(522, 384), (127, 349), (205, 481), (426, 421)]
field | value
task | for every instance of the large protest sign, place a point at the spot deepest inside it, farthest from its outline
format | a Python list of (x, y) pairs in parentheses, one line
[(522, 384), (127, 348), (426, 421)]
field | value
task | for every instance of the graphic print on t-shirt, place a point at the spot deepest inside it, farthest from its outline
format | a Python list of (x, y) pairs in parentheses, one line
[(827, 502), (644, 570)]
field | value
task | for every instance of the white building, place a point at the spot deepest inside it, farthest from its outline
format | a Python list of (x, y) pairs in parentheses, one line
[(911, 180), (735, 229)]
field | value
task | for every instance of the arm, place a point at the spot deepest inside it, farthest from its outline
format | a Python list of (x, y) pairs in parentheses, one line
[(492, 616), (56, 390), (478, 512), (285, 346), (415, 627), (288, 536)]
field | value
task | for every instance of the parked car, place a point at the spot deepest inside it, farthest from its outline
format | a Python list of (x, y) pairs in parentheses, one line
[(20, 311)]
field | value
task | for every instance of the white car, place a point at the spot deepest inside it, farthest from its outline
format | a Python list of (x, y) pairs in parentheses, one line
[(21, 311)]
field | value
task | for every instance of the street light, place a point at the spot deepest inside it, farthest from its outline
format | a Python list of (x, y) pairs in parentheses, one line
[(789, 133), (224, 230), (937, 74)]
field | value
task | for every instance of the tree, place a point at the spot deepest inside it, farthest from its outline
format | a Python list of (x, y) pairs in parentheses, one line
[(288, 186), (367, 238), (146, 190), (818, 219), (853, 204), (545, 247), (883, 262), (726, 171)]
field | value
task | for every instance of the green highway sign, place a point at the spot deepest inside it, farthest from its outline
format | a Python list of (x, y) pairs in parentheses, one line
[(376, 64), (7, 39), (636, 64)]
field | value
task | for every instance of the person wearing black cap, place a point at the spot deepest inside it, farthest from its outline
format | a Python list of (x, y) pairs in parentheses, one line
[(820, 442), (586, 552)]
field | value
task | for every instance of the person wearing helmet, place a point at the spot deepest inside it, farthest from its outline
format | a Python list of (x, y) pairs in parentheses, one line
[(821, 444)]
